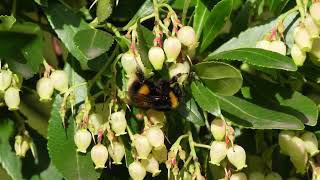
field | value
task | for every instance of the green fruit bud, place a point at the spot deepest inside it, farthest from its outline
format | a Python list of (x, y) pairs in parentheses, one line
[(302, 38), (297, 55), (156, 117), (160, 154), (187, 36), (279, 47), (118, 122), (263, 44), (300, 163), (218, 129), (96, 121), (156, 57), (60, 80), (5, 79), (155, 137), (311, 26), (315, 12), (117, 152), (284, 141), (99, 155), (180, 68), (296, 147), (310, 143), (142, 146), (82, 139), (273, 176), (237, 156), (256, 176), (45, 89), (21, 145), (12, 98), (137, 171), (151, 165), (316, 48), (238, 176), (172, 48), (218, 152)]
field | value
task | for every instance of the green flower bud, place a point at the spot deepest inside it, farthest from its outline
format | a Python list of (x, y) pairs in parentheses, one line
[(315, 12), (155, 137), (82, 139), (142, 146), (218, 152), (117, 152), (156, 57), (237, 156), (99, 155), (238, 176), (273, 176), (218, 129), (151, 165), (180, 68), (316, 48), (21, 145), (187, 36), (5, 79), (310, 143), (284, 141), (160, 154), (298, 154), (12, 98), (172, 48), (302, 38), (297, 55), (45, 89), (137, 171), (118, 122), (279, 47), (256, 176), (311, 26), (60, 80)]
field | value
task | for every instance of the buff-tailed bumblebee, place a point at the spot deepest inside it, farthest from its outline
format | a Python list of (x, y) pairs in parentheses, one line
[(159, 94)]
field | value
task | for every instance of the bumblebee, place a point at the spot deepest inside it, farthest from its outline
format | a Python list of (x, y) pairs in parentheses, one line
[(161, 94)]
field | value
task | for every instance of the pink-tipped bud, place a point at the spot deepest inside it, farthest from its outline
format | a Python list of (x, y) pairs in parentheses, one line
[(99, 155), (12, 98), (45, 89), (118, 122), (284, 139), (311, 26), (302, 38), (156, 57), (218, 129), (142, 146), (297, 55), (5, 79), (82, 139), (237, 156), (187, 36), (218, 152), (151, 165), (238, 176), (279, 47), (172, 48), (137, 171), (60, 80), (310, 143), (315, 12), (273, 176), (117, 152), (155, 137)]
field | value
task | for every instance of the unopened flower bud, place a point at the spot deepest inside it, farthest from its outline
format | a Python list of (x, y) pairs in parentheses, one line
[(310, 143), (137, 171), (45, 89), (187, 36), (311, 26), (12, 98), (284, 141), (130, 63), (296, 147), (315, 12), (117, 152), (155, 136), (297, 55), (60, 80), (118, 122), (82, 139), (172, 48), (218, 129), (256, 175), (156, 117), (5, 79), (160, 153), (279, 47), (156, 57), (21, 145), (218, 152), (273, 176), (316, 48), (263, 44), (302, 38), (237, 156), (142, 146), (95, 121), (180, 68), (99, 155), (300, 163), (238, 176), (187, 176), (151, 165)]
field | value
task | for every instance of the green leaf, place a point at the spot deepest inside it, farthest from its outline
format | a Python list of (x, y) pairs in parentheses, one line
[(205, 98), (104, 10), (220, 78), (189, 110), (145, 10), (200, 17), (93, 42), (257, 57), (66, 24), (8, 159), (250, 37), (62, 150), (215, 22), (6, 22), (144, 40), (252, 116)]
